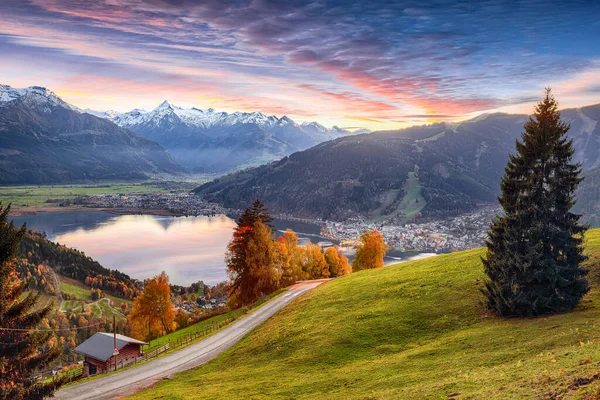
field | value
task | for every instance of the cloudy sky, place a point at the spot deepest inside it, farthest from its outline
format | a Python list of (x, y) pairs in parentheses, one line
[(374, 64)]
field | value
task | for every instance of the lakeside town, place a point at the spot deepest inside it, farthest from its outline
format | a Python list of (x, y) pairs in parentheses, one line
[(460, 232)]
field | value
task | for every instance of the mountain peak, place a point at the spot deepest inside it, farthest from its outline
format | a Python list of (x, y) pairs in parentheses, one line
[(35, 97), (164, 104)]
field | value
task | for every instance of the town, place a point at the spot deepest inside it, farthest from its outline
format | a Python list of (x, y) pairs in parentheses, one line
[(465, 231)]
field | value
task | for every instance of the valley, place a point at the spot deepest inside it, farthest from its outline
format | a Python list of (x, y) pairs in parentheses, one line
[(314, 199)]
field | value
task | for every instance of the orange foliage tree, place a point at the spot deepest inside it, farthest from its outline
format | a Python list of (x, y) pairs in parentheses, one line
[(370, 251), (153, 313), (253, 261), (337, 262)]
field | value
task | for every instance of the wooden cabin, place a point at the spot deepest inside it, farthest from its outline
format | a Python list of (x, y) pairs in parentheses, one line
[(100, 354)]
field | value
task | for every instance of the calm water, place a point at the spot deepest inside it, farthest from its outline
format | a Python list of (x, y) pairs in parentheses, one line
[(189, 249)]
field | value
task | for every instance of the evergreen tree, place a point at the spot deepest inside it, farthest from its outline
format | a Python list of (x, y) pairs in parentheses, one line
[(535, 249), (254, 213), (23, 350)]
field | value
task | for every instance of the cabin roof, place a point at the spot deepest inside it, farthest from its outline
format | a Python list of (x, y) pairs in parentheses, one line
[(101, 345)]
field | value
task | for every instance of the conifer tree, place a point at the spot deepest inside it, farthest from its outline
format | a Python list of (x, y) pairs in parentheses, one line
[(256, 212), (535, 249), (23, 348)]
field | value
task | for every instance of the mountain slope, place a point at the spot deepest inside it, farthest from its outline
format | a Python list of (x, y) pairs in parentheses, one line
[(44, 140), (412, 328), (212, 141), (453, 166)]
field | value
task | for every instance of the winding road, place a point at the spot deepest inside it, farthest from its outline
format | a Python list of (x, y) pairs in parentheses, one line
[(134, 379)]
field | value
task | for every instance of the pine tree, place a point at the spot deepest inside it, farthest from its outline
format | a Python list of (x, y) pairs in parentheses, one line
[(535, 249), (256, 212), (23, 350)]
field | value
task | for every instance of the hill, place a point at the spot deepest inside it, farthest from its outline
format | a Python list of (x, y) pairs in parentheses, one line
[(213, 141), (410, 330), (45, 140), (433, 170)]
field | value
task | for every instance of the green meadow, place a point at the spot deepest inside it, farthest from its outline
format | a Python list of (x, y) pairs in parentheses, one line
[(413, 330)]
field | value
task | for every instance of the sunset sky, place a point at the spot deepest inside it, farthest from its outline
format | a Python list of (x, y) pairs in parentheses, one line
[(373, 64)]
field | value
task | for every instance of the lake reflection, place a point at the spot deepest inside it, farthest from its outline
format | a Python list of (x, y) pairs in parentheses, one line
[(187, 248)]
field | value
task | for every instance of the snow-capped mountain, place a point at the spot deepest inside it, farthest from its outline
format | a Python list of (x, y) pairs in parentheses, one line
[(200, 140), (216, 141), (34, 96), (45, 140)]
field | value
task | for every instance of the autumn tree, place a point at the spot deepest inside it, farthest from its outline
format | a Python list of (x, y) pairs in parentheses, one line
[(241, 279), (337, 262), (370, 251), (153, 312), (291, 258), (534, 261), (262, 257), (314, 263), (23, 347)]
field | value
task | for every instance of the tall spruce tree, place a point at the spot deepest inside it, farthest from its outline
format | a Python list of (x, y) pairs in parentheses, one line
[(254, 213), (535, 249), (23, 349)]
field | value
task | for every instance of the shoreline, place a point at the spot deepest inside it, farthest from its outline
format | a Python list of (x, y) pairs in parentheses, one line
[(26, 211)]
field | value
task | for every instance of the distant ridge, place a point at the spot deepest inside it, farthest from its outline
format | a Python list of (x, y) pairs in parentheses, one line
[(428, 171), (214, 141), (45, 140)]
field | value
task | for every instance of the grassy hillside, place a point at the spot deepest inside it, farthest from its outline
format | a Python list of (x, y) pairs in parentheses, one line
[(413, 330)]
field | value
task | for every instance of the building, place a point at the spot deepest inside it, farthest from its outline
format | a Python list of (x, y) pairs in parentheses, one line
[(99, 352)]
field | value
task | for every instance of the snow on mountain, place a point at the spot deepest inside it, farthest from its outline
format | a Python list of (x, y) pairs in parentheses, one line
[(33, 96), (210, 118)]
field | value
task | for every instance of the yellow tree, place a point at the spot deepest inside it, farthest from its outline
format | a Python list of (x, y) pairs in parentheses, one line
[(291, 258), (262, 258), (370, 251), (314, 262), (153, 313), (337, 262)]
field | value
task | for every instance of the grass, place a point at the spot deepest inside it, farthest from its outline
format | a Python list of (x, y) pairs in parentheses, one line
[(200, 326), (78, 291), (408, 206), (37, 196), (413, 330), (82, 293)]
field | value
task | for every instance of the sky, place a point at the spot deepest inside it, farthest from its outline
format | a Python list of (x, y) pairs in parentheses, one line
[(373, 64)]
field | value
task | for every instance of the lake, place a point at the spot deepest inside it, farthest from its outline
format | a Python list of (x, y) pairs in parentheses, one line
[(189, 249)]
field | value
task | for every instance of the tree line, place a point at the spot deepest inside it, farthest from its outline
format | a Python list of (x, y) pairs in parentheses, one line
[(258, 263)]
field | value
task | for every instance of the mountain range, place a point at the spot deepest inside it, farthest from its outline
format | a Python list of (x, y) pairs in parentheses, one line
[(429, 171), (45, 140), (213, 141)]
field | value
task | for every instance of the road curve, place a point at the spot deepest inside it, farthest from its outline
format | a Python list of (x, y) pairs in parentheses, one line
[(134, 379)]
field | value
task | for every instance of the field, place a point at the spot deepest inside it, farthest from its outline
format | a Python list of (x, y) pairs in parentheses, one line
[(38, 196), (413, 330), (180, 333), (407, 207), (81, 293)]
